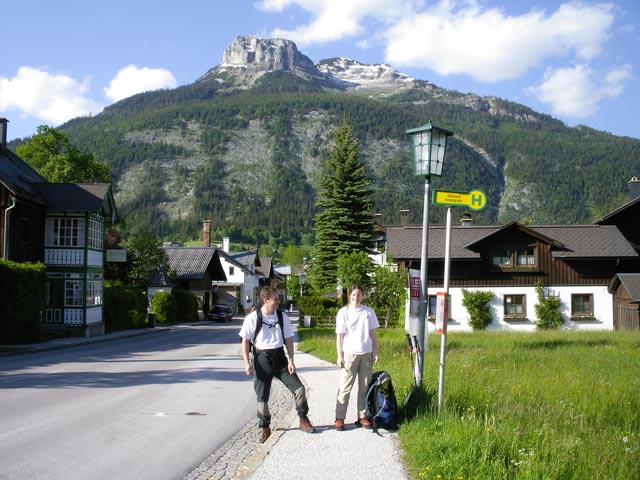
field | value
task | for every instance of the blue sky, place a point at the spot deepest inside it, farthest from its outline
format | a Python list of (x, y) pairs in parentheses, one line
[(577, 61)]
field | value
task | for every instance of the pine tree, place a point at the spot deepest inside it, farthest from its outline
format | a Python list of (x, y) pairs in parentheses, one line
[(345, 222)]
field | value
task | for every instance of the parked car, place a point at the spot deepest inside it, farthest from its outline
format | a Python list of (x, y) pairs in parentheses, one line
[(220, 313)]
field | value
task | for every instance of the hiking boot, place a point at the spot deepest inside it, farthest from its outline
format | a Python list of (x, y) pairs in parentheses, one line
[(305, 425), (265, 432), (339, 424), (364, 422)]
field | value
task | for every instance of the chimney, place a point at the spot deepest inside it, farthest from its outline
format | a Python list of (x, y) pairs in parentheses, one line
[(377, 217), (404, 217), (3, 134), (206, 233), (466, 220), (225, 244), (634, 188)]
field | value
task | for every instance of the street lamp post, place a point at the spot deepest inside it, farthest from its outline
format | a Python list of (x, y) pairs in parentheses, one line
[(428, 143)]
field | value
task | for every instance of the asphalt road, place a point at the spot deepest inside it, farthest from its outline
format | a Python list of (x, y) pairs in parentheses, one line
[(147, 407)]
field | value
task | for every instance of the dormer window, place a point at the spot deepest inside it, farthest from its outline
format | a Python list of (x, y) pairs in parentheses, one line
[(501, 256), (514, 256), (526, 256)]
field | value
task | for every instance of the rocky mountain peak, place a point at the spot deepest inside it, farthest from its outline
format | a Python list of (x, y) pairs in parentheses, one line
[(249, 57), (265, 54)]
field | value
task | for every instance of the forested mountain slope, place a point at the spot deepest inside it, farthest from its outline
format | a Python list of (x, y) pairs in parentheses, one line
[(243, 146)]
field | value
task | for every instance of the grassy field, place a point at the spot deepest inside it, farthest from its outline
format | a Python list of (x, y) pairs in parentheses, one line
[(543, 405)]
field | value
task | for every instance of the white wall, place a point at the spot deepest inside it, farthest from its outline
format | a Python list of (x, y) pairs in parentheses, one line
[(458, 321)]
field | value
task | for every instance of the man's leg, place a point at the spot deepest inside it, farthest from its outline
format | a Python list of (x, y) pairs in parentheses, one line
[(295, 386), (262, 385)]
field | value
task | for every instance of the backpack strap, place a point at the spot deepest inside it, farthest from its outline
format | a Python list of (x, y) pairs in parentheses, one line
[(259, 323)]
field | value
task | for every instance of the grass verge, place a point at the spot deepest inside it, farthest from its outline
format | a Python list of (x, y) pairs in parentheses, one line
[(543, 405)]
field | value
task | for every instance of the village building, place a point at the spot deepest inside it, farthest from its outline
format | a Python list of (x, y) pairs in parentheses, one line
[(593, 269)]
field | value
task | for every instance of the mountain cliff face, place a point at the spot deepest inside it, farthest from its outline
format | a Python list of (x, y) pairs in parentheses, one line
[(244, 145), (247, 59)]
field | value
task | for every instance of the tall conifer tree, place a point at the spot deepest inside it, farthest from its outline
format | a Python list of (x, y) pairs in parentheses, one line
[(345, 222)]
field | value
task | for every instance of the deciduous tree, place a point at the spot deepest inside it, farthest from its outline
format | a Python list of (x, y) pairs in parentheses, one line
[(51, 154)]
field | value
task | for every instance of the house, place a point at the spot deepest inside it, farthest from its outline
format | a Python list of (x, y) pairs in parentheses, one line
[(62, 225), (197, 268), (593, 269), (243, 278)]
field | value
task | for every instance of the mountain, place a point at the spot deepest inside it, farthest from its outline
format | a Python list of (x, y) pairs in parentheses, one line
[(243, 146)]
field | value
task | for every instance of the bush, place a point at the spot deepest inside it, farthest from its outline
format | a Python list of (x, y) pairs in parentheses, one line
[(124, 307), (547, 310), (163, 306), (477, 304), (323, 309), (186, 305), (23, 287)]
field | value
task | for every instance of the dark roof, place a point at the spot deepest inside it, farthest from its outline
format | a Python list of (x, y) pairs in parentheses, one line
[(191, 263), (593, 241), (631, 283), (264, 268), (573, 241), (248, 258), (18, 177), (231, 259), (77, 197), (624, 209)]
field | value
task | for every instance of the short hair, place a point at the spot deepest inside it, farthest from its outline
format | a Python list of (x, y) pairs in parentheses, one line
[(266, 293)]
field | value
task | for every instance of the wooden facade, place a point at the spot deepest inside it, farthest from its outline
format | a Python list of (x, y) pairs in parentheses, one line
[(574, 262)]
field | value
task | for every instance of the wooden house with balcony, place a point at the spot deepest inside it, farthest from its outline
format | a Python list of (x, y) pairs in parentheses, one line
[(61, 225)]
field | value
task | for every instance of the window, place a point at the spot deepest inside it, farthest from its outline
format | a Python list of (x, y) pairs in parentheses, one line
[(73, 293), (96, 236), (231, 271), (515, 306), (526, 256), (519, 256), (581, 305), (94, 292), (65, 232), (501, 256)]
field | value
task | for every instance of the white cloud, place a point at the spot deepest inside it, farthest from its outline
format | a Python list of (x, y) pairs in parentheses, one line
[(337, 19), (578, 91), (54, 98), (489, 45), (131, 80), (455, 36)]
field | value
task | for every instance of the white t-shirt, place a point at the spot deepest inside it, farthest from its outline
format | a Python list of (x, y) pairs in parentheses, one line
[(355, 323), (270, 335)]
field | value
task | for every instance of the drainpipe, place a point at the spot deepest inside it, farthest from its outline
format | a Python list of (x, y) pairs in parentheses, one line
[(6, 222)]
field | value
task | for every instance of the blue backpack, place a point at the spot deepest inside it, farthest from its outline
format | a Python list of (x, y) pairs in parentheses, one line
[(382, 407)]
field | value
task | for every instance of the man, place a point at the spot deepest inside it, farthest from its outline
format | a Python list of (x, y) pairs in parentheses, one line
[(269, 360)]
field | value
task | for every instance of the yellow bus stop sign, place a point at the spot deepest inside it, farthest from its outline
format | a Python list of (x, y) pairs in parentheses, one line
[(475, 199)]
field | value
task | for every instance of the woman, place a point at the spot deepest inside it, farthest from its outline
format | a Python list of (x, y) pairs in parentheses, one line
[(357, 346)]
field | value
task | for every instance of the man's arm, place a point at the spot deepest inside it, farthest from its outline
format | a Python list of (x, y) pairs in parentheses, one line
[(288, 342), (246, 345)]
